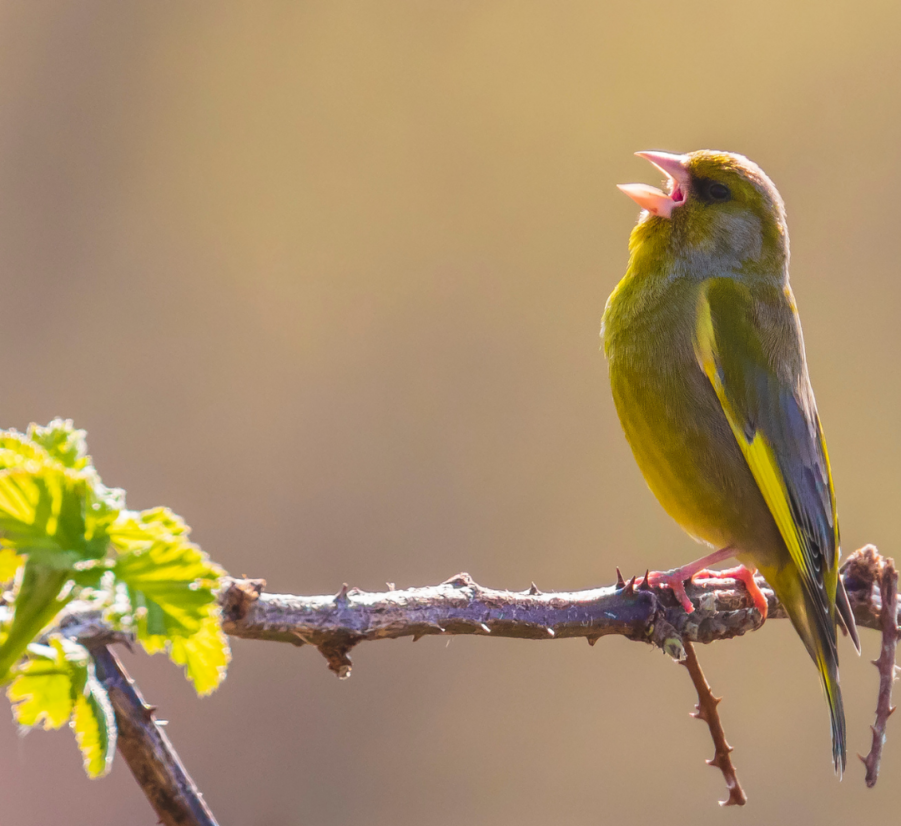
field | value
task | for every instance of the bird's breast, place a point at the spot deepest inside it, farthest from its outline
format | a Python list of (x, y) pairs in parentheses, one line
[(673, 421)]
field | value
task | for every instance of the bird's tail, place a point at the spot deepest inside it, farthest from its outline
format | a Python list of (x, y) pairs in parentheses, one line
[(816, 626), (828, 668)]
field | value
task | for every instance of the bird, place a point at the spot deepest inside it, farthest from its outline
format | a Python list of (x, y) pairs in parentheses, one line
[(709, 378)]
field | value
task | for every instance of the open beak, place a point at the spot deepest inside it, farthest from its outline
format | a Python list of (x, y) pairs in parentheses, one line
[(654, 200)]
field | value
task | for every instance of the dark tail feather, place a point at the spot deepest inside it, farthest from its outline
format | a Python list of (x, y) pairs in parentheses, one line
[(818, 634), (837, 715), (846, 615)]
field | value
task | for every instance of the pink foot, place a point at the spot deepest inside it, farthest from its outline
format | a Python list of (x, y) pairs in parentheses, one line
[(675, 581), (746, 575)]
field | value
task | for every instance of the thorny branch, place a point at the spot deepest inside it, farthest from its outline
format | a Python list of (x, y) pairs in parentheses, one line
[(708, 712), (888, 619), (334, 624), (148, 752)]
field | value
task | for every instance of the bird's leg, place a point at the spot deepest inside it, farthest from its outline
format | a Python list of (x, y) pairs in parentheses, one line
[(675, 579), (745, 575)]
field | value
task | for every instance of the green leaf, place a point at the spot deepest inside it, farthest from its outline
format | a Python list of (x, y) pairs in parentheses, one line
[(171, 585), (16, 450), (94, 724), (10, 562), (55, 511), (170, 581), (50, 495), (204, 655), (62, 442), (41, 693), (42, 508), (49, 508), (139, 531), (56, 685)]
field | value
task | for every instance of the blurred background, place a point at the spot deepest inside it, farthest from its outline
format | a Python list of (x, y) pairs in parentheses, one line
[(327, 280)]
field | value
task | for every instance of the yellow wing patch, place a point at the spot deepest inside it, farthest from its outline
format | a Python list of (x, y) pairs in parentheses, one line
[(757, 452)]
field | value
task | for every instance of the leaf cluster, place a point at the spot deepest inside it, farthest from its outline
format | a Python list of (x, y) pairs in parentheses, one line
[(64, 538)]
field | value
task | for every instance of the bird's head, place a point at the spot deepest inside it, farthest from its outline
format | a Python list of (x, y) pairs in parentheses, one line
[(719, 210)]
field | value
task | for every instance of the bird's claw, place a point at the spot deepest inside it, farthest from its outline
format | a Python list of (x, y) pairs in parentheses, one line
[(675, 581), (743, 575)]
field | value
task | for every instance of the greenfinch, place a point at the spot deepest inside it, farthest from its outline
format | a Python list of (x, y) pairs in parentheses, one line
[(710, 382)]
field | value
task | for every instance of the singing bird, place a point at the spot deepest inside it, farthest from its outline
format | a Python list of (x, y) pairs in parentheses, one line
[(710, 381)]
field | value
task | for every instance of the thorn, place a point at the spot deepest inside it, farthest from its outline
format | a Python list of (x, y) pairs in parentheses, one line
[(592, 640), (341, 596), (716, 700), (630, 586), (390, 586), (533, 590), (875, 662), (644, 583), (550, 632), (484, 627), (417, 637), (461, 580), (620, 582), (891, 711), (862, 758)]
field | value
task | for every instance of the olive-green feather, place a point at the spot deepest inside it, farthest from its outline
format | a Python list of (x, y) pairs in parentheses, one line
[(774, 420)]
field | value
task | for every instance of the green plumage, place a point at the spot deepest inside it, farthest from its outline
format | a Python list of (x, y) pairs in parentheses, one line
[(710, 381)]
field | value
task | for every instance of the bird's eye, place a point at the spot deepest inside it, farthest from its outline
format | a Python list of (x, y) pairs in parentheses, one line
[(718, 192)]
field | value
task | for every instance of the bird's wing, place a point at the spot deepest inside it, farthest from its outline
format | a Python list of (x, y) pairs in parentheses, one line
[(775, 422)]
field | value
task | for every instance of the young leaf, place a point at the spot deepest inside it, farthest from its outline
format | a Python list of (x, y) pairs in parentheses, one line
[(94, 724), (204, 655), (16, 450), (170, 582), (62, 442), (56, 685), (41, 693), (10, 562), (43, 508), (55, 512)]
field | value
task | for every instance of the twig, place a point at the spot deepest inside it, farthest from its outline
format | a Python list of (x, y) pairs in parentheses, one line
[(336, 623), (888, 615), (707, 711), (147, 750)]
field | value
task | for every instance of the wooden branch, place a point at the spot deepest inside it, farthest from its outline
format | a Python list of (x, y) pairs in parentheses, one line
[(336, 623), (708, 711), (723, 609), (147, 750), (888, 582)]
